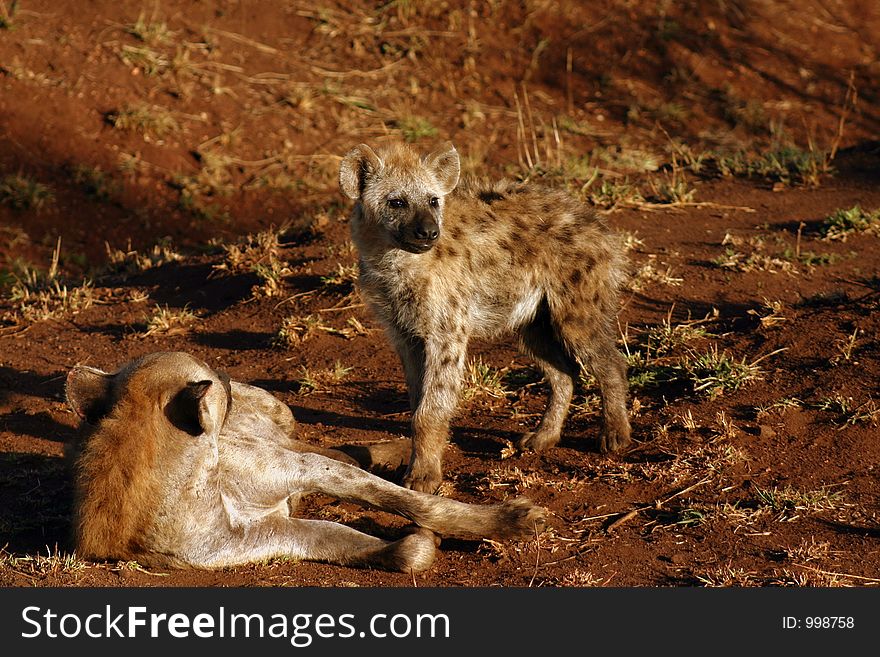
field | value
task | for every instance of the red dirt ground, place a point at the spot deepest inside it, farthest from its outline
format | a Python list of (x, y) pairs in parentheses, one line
[(772, 483)]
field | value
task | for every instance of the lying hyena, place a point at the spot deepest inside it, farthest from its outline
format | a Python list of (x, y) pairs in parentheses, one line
[(178, 466), (439, 267)]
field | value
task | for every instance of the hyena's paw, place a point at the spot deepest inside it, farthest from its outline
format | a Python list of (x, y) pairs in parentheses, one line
[(414, 552), (422, 479), (520, 518), (614, 437), (537, 441)]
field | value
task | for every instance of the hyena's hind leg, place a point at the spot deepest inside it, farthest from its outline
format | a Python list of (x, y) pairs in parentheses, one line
[(538, 339), (598, 353)]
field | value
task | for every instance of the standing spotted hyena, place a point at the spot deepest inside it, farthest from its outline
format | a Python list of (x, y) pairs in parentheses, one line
[(440, 264)]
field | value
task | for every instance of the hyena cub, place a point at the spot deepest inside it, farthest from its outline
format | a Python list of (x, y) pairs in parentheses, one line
[(440, 264)]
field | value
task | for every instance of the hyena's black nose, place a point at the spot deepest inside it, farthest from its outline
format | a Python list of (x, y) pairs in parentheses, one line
[(427, 230)]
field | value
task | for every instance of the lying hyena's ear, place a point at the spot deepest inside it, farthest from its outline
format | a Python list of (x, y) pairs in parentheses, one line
[(445, 165), (88, 392), (357, 166), (190, 411)]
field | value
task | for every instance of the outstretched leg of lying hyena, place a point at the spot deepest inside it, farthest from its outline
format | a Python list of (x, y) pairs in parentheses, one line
[(298, 474)]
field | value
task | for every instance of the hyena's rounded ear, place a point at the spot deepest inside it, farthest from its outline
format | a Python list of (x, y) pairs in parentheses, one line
[(357, 166), (444, 163), (88, 392), (189, 410)]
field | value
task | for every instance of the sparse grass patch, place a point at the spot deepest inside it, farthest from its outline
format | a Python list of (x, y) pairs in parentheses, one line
[(151, 121), (780, 405), (769, 314), (253, 251), (613, 193), (783, 164), (37, 295), (271, 275), (789, 503), (310, 381), (94, 182), (52, 563), (667, 337), (810, 550), (631, 241), (810, 259), (626, 160), (849, 413), (23, 193), (741, 262), (846, 347), (168, 321), (343, 278), (151, 62), (149, 30), (483, 380), (297, 329), (580, 578), (728, 576), (131, 261), (671, 189), (414, 128), (714, 371), (844, 222), (652, 272)]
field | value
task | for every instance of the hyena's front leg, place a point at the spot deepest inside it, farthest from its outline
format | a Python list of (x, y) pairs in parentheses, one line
[(441, 369), (411, 350)]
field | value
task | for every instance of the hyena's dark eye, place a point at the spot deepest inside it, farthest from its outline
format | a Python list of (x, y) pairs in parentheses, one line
[(396, 203), (434, 202)]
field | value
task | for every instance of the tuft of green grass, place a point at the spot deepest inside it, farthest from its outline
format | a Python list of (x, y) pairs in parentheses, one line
[(844, 222), (611, 194), (667, 337), (715, 372), (848, 412), (788, 503), (483, 380), (413, 128), (23, 193), (785, 164), (671, 186), (95, 183)]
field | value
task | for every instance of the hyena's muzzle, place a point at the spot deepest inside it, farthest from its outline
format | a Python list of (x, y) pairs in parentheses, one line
[(420, 233)]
